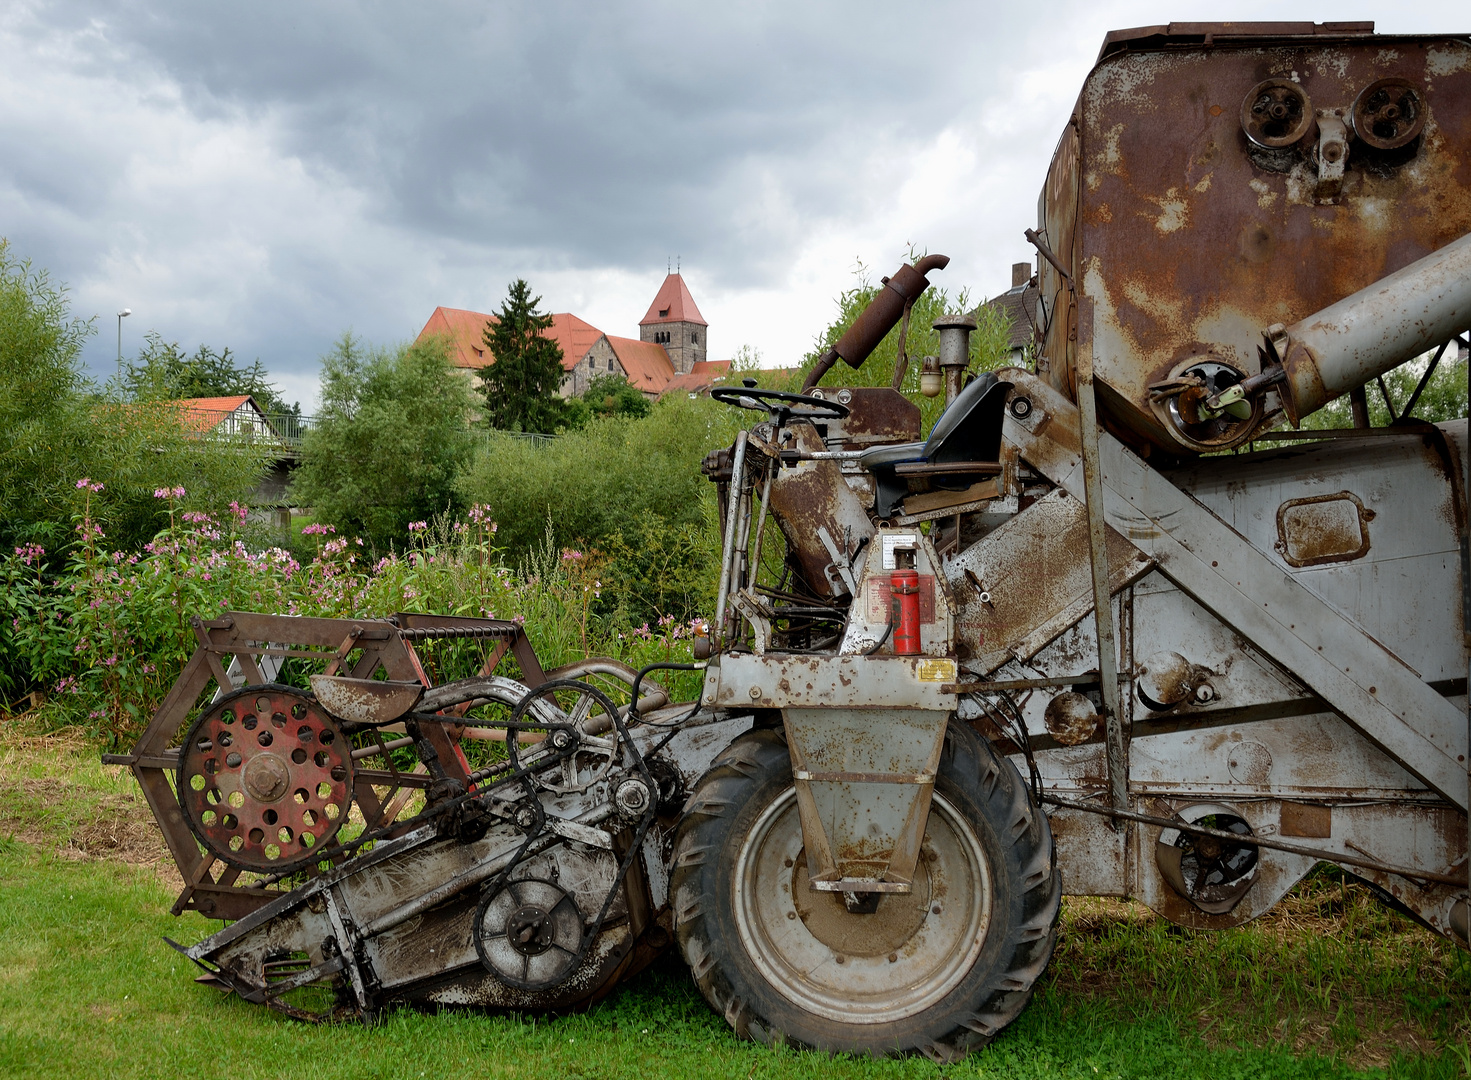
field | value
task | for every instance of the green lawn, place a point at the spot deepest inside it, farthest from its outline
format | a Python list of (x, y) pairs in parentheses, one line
[(88, 988)]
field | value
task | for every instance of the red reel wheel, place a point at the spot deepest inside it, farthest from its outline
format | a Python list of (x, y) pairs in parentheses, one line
[(265, 779)]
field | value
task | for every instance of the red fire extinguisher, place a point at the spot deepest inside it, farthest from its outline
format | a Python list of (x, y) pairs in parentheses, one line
[(904, 606)]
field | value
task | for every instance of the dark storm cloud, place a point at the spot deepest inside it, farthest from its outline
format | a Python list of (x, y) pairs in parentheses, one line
[(605, 134), (265, 175)]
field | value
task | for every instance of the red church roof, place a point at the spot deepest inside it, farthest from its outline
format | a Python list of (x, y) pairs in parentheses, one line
[(466, 333), (645, 364), (673, 304)]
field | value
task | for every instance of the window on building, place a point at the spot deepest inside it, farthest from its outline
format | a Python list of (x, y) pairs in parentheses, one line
[(592, 363), (612, 366), (694, 337), (663, 313)]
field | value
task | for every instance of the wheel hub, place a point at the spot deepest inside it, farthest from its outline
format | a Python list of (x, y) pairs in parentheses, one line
[(894, 920), (529, 931), (528, 934), (266, 778)]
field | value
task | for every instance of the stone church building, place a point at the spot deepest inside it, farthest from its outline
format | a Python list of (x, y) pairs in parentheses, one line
[(668, 356)]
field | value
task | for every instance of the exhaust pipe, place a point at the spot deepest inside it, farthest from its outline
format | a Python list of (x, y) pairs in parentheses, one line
[(881, 316)]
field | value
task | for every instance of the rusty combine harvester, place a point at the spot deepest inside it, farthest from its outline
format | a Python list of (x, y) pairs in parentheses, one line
[(1065, 644)]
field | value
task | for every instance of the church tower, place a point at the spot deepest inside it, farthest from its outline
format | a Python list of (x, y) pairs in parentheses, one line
[(674, 322)]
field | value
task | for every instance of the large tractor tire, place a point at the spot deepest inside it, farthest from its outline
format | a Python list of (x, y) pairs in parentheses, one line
[(940, 970)]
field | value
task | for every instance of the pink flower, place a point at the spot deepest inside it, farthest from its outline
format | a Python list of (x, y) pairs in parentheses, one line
[(88, 484), (418, 526)]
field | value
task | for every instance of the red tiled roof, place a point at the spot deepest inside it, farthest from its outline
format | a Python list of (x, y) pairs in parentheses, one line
[(673, 304), (575, 336), (466, 333), (202, 414), (699, 378), (645, 364)]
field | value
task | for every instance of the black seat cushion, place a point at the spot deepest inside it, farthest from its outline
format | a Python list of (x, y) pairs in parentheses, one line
[(970, 429)]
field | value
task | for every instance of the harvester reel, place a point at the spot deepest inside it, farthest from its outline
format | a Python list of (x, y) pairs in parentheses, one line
[(528, 934), (265, 779)]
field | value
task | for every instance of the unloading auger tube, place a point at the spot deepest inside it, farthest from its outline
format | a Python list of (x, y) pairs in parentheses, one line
[(1363, 336)]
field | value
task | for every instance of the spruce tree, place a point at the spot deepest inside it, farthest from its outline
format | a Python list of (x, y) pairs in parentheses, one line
[(520, 387)]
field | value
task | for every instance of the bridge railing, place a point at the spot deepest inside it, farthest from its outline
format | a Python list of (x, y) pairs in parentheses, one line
[(285, 429)]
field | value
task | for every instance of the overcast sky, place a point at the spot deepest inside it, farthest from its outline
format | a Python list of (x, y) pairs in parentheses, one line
[(265, 176)]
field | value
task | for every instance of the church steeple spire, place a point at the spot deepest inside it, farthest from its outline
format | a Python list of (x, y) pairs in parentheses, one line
[(675, 322)]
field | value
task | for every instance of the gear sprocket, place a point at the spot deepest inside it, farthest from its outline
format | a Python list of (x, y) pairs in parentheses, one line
[(265, 778)]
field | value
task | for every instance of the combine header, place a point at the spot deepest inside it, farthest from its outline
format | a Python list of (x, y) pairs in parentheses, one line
[(1115, 627)]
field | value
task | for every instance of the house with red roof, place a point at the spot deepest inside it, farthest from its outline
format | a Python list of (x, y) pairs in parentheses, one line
[(671, 342), (237, 414)]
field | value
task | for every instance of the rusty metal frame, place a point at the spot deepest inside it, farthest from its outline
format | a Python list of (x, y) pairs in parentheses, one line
[(1108, 666), (382, 645)]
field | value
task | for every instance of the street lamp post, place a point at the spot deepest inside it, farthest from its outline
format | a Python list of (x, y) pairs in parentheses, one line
[(121, 315)]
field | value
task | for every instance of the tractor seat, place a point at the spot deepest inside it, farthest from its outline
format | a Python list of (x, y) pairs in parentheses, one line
[(968, 430)]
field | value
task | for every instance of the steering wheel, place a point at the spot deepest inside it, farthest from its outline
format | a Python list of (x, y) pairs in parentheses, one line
[(780, 404)]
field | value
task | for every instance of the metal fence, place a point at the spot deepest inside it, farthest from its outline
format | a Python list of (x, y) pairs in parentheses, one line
[(286, 429)]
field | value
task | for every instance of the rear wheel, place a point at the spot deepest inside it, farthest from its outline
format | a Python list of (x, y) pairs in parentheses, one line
[(939, 970)]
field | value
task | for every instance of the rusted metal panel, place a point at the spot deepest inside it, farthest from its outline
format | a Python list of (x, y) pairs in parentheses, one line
[(809, 498), (365, 701), (1190, 239), (1408, 486), (876, 415), (1093, 857), (1036, 578), (1323, 529), (1375, 689), (1307, 819), (864, 778), (776, 681)]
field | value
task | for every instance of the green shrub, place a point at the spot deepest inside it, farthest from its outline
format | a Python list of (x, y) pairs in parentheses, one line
[(108, 637), (392, 435), (628, 489), (56, 427)]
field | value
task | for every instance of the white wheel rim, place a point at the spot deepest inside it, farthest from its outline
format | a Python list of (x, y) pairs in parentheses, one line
[(858, 984)]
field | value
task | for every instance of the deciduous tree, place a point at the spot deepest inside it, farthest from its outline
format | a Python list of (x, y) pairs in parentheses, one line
[(392, 435)]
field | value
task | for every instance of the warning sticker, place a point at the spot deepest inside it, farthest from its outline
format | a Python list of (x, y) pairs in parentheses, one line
[(897, 540), (935, 671)]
